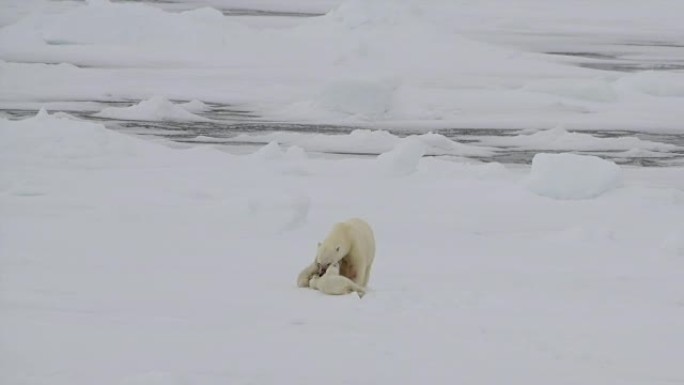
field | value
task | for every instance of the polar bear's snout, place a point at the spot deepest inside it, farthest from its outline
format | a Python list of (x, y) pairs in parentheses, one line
[(322, 268)]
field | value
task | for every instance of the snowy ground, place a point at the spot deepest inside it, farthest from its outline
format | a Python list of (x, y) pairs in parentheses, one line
[(129, 262), (127, 258)]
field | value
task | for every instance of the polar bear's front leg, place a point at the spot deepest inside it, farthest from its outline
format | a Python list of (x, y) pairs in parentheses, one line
[(306, 274)]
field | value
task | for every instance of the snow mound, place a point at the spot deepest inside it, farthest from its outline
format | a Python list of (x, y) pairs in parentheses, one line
[(364, 141), (154, 109), (365, 99), (572, 176), (49, 138), (269, 152), (194, 106), (102, 23), (558, 138), (273, 151), (403, 159)]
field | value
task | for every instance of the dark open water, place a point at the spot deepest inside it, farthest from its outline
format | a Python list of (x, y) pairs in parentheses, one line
[(234, 122)]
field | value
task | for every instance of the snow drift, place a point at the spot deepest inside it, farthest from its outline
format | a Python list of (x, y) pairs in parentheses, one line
[(56, 139), (364, 141), (571, 176), (558, 138), (403, 159), (155, 109)]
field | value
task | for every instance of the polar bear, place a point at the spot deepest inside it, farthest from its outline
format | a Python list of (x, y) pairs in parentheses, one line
[(352, 243), (335, 284)]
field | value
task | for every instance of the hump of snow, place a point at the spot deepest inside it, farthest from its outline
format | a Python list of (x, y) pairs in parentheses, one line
[(195, 106), (48, 139), (270, 151), (572, 176), (403, 159), (364, 141), (368, 99), (154, 109), (558, 138), (273, 151), (110, 23)]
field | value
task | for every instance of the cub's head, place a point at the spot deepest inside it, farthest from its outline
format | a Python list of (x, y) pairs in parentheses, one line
[(333, 269), (328, 254)]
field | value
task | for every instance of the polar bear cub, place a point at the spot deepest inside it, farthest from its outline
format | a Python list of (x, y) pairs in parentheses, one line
[(335, 284)]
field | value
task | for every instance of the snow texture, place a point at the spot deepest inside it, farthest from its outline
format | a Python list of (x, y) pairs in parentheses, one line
[(403, 159), (156, 108), (363, 141), (128, 262), (131, 260), (558, 138), (440, 63), (572, 176)]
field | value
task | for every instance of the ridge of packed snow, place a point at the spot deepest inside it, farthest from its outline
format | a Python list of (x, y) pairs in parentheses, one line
[(154, 109), (558, 138), (572, 176), (362, 141)]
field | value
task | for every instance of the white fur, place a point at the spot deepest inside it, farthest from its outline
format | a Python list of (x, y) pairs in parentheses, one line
[(306, 274), (335, 284), (351, 242)]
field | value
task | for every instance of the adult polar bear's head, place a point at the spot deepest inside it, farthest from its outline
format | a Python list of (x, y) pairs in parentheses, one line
[(335, 247)]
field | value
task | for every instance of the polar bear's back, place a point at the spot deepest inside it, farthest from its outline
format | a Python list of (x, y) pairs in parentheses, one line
[(364, 239)]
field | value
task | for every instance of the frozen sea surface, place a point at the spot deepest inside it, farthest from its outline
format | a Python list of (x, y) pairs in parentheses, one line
[(624, 97), (167, 168)]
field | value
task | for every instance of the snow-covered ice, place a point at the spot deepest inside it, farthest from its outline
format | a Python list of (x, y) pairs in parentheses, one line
[(128, 262), (572, 176), (156, 108), (372, 62), (133, 260), (361, 141), (403, 159), (559, 138), (195, 106)]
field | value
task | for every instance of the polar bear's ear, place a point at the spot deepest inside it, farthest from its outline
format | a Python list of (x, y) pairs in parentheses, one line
[(337, 249)]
